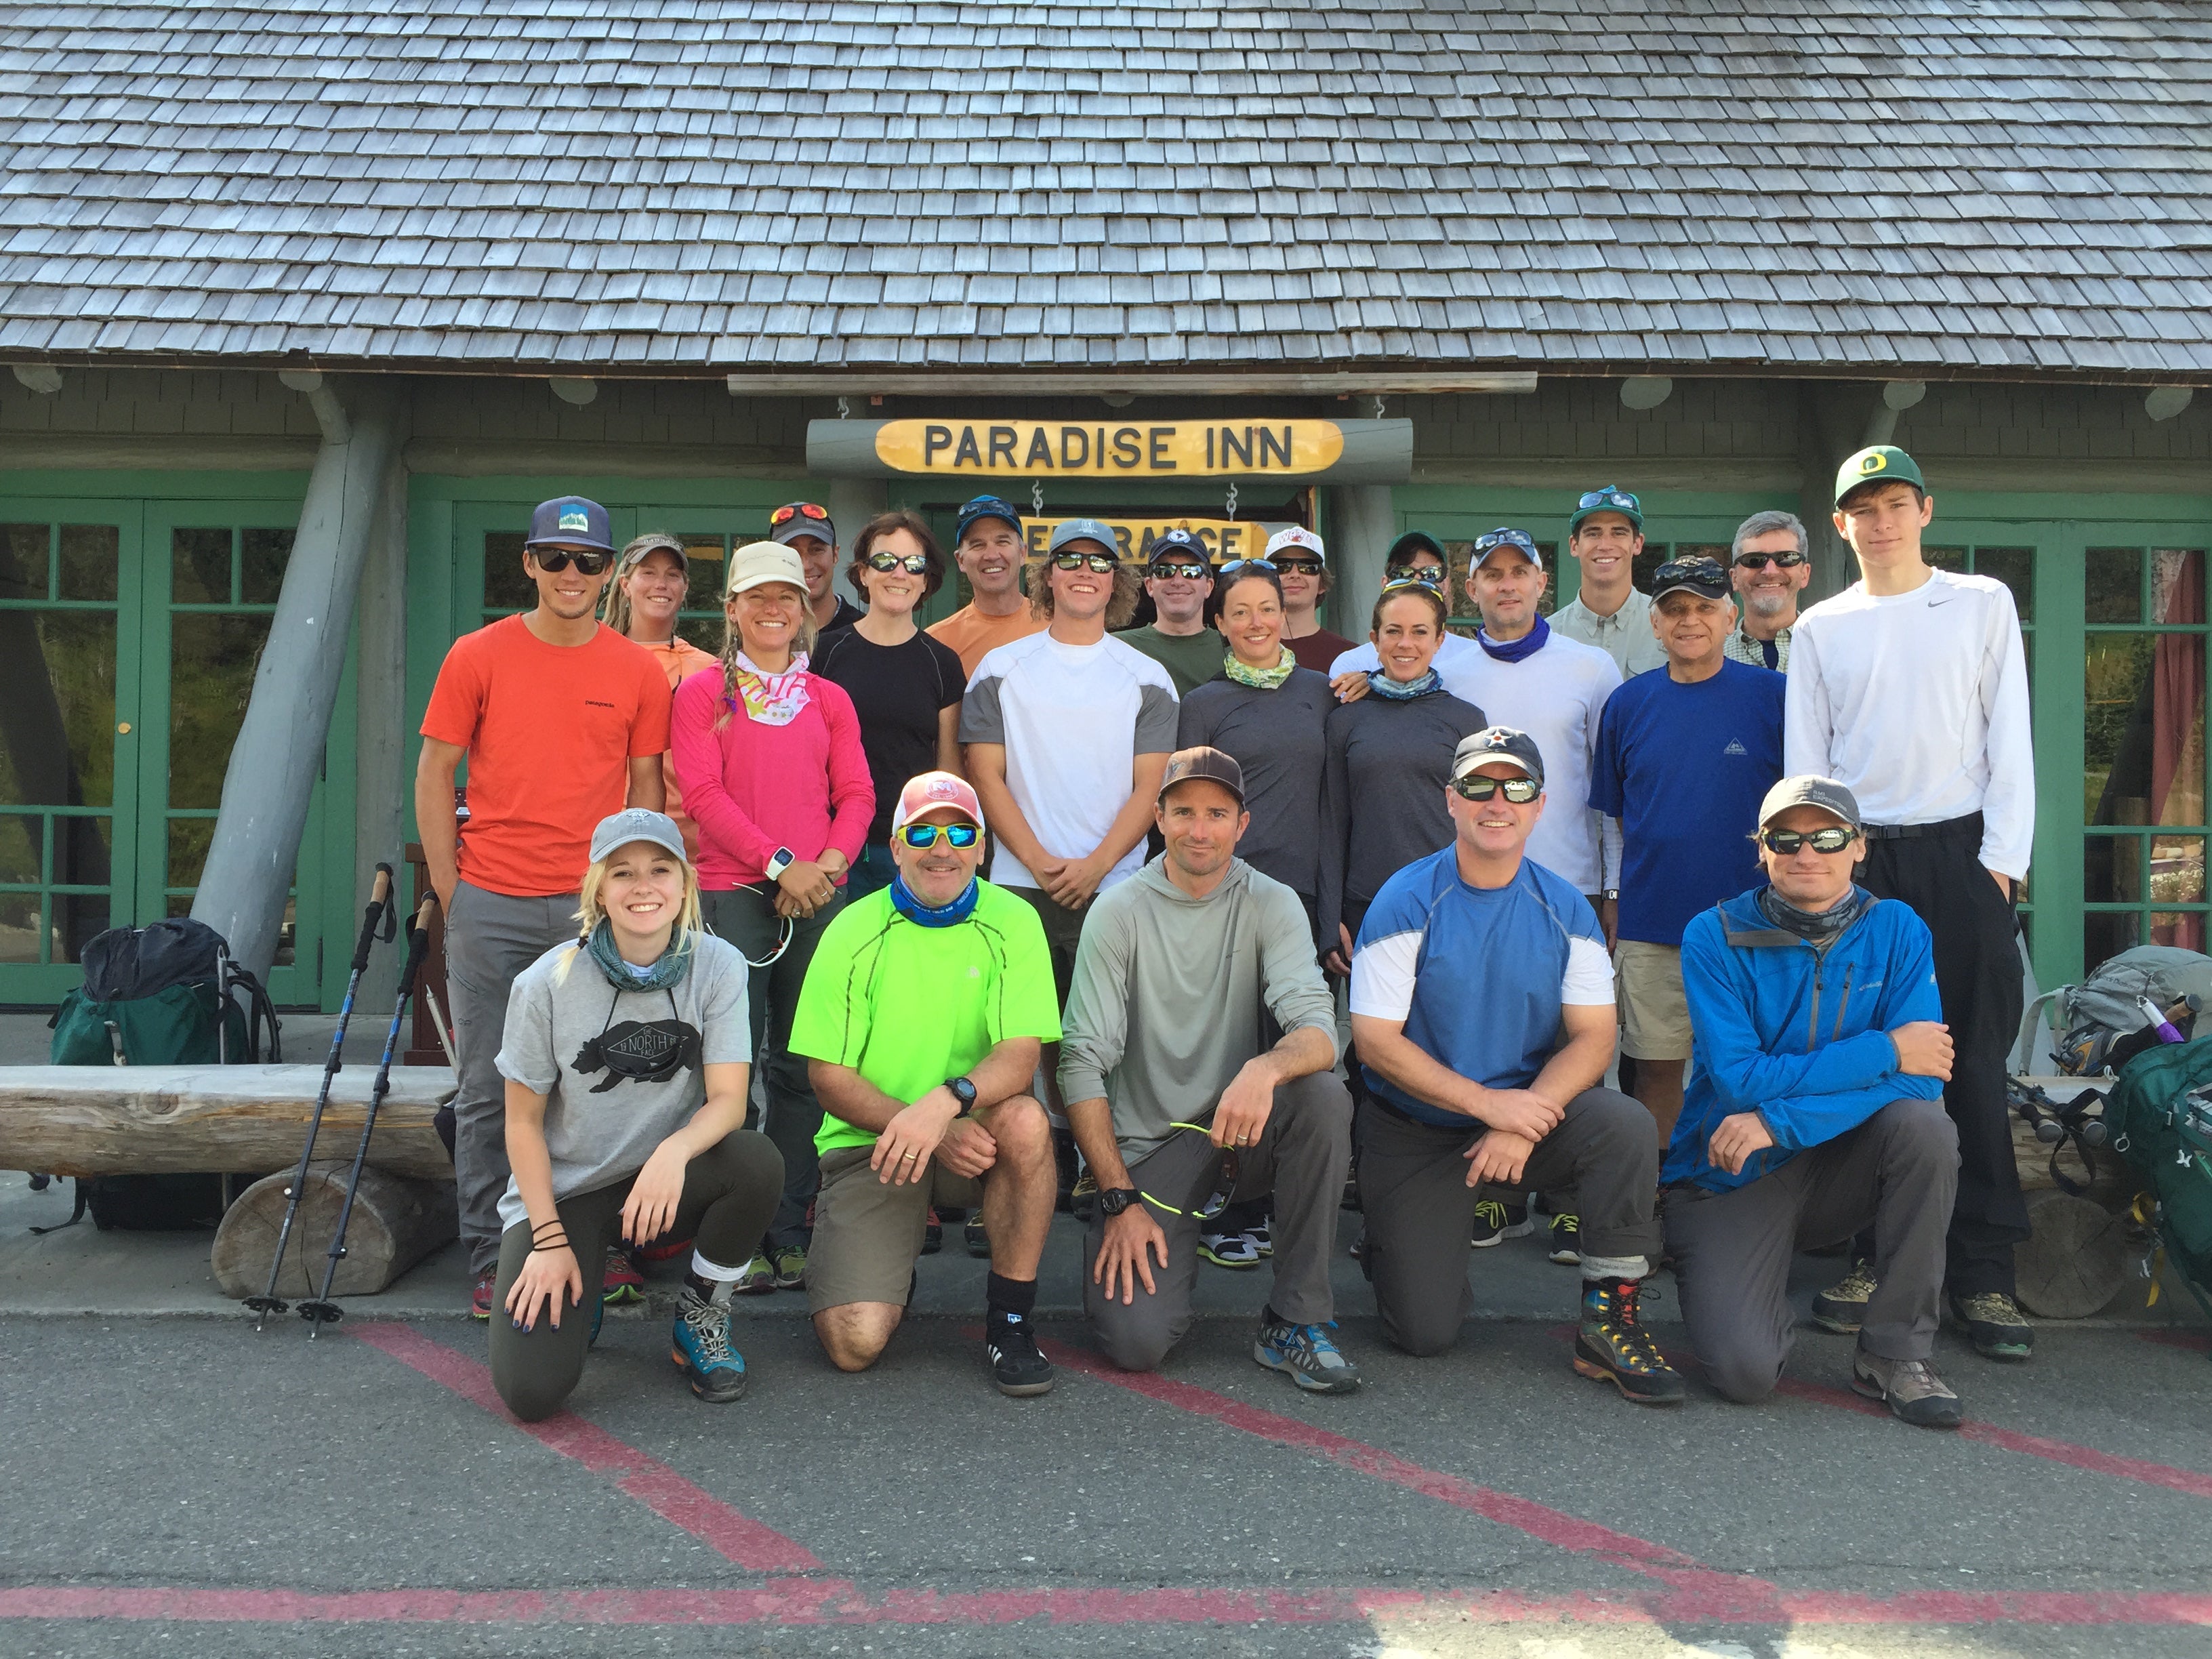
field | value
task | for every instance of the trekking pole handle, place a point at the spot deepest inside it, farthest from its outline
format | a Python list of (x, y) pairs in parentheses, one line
[(378, 922)]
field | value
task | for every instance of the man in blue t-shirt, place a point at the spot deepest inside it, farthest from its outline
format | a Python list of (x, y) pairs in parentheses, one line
[(1470, 964), (1683, 759)]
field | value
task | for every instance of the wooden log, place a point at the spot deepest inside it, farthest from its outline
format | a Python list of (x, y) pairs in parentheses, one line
[(395, 1222), (232, 1120), (2076, 1259)]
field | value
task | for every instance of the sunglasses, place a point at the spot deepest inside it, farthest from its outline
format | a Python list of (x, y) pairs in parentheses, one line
[(1195, 573), (784, 515), (1098, 564), (1496, 538), (1519, 790), (1300, 566), (923, 836), (1424, 575), (1236, 566), (1609, 496), (557, 559), (1785, 842), (1760, 561), (914, 564)]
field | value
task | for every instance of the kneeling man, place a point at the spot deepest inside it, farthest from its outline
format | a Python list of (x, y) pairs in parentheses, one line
[(1179, 1102), (1471, 964), (1816, 1110), (925, 1009)]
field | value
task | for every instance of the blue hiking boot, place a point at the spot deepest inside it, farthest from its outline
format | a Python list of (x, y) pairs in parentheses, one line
[(1307, 1355), (701, 1349)]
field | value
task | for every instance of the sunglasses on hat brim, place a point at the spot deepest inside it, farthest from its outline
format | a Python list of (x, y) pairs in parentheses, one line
[(1618, 501), (1498, 538), (784, 515)]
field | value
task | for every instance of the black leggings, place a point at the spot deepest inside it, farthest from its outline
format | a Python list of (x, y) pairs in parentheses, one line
[(730, 1191)]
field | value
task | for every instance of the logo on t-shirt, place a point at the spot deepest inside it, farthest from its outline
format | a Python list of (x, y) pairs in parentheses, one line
[(594, 702), (1736, 747)]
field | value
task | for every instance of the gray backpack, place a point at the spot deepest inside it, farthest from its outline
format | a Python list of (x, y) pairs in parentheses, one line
[(2090, 1019)]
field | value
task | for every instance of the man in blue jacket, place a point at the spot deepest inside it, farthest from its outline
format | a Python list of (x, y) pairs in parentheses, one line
[(1815, 1110)]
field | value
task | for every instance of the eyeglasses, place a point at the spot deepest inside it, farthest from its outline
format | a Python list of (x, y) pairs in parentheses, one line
[(555, 559), (1760, 561), (914, 564), (1099, 564), (1497, 538), (1609, 496), (1785, 842), (1299, 567), (1195, 573), (1426, 575), (923, 836), (784, 515), (1519, 790)]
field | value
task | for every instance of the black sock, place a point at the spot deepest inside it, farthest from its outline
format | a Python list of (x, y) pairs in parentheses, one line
[(1269, 1316), (1016, 1297)]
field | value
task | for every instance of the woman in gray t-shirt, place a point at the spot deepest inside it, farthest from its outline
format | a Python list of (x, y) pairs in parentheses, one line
[(627, 1058)]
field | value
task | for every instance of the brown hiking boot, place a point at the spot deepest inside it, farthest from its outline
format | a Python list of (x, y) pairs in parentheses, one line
[(1913, 1390)]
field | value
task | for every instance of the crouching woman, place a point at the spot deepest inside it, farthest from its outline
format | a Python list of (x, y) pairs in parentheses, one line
[(626, 1060)]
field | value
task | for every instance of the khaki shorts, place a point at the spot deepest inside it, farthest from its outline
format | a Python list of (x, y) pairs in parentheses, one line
[(867, 1234), (1655, 1017)]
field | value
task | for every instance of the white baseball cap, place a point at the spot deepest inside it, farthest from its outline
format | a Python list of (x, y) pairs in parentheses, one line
[(1297, 536), (757, 563)]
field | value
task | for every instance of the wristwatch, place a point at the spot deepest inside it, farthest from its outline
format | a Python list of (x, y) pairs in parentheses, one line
[(778, 861), (1113, 1200), (1613, 893), (964, 1092)]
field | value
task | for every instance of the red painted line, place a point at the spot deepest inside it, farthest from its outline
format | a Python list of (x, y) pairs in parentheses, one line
[(735, 1537), (1722, 1594), (785, 1601), (2194, 1341)]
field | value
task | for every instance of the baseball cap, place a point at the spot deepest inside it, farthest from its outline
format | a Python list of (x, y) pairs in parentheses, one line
[(570, 522), (758, 563), (1412, 541), (1086, 530), (1178, 544), (1504, 536), (1202, 762), (1606, 498), (987, 506), (929, 792), (1807, 790), (637, 824), (796, 519), (1297, 536), (1703, 577), (653, 541), (1882, 463), (1497, 743)]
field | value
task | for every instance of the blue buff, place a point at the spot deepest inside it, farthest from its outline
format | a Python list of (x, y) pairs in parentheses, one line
[(904, 902), (1516, 650)]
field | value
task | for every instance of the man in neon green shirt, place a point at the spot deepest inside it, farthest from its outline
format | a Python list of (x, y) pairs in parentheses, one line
[(923, 1014)]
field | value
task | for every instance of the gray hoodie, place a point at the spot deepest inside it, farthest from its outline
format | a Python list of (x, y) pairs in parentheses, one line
[(1170, 991)]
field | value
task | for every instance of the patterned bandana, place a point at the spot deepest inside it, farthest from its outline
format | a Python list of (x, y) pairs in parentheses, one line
[(675, 962), (771, 699), (1515, 650), (1259, 679), (1404, 690), (1820, 929)]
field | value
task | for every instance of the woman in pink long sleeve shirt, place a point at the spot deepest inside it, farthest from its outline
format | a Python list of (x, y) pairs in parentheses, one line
[(768, 756)]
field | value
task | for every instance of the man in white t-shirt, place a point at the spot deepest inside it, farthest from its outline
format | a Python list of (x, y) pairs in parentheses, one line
[(1910, 688), (1068, 734)]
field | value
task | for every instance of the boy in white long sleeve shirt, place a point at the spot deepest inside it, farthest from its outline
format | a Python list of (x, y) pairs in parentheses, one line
[(1911, 687)]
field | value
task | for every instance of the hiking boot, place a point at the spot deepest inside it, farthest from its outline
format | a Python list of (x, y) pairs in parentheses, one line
[(791, 1268), (1567, 1240), (1016, 1365), (932, 1233), (1994, 1325), (1358, 1250), (1082, 1197), (483, 1291), (1261, 1236), (1496, 1222), (1613, 1346), (701, 1350), (972, 1235), (1306, 1354), (623, 1282), (1842, 1307), (756, 1278), (1913, 1390), (1228, 1249)]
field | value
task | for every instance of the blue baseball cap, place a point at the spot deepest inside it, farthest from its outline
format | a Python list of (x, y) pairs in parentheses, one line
[(1086, 530), (1178, 544), (987, 506), (570, 522)]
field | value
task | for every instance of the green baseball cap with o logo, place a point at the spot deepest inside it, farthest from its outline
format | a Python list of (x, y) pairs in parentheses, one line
[(1882, 463)]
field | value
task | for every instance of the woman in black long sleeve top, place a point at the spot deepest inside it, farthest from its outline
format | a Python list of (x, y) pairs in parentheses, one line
[(1387, 760)]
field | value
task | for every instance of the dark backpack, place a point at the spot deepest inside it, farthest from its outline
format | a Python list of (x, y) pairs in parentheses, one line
[(2160, 1119)]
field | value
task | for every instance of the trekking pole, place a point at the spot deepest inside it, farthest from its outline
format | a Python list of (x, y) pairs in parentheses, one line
[(379, 922), (322, 1310)]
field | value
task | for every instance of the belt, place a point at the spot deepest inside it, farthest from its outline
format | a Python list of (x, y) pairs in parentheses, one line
[(1945, 830)]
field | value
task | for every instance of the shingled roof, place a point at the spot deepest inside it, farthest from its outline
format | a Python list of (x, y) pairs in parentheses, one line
[(1827, 186)]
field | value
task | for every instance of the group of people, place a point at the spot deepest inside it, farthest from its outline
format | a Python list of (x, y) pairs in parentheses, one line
[(1755, 867)]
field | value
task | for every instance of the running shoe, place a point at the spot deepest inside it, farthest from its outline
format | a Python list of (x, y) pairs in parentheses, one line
[(1613, 1346), (791, 1268), (1842, 1307), (1567, 1240), (1495, 1222), (1994, 1325), (623, 1282), (1910, 1388), (483, 1291), (757, 1277), (1083, 1199), (701, 1348), (1228, 1249), (1306, 1354), (1261, 1236), (972, 1235), (1017, 1366)]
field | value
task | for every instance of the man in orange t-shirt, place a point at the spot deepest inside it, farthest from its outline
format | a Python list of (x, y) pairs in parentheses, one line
[(989, 550), (562, 722)]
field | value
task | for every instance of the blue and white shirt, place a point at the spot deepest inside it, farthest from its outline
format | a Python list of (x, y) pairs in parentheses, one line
[(1479, 975)]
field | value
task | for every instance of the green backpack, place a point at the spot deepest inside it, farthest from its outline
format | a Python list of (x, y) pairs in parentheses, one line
[(173, 1027), (2160, 1119)]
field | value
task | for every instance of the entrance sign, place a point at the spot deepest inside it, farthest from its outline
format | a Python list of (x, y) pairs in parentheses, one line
[(1342, 452), (1224, 538)]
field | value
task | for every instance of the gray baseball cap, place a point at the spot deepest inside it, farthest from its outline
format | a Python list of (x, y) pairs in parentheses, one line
[(1809, 791), (1499, 743), (637, 824), (1086, 530)]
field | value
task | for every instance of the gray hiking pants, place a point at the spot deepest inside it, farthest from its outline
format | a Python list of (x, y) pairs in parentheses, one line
[(1896, 1172)]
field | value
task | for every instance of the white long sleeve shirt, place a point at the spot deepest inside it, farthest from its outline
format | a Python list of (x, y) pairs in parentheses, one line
[(1917, 702)]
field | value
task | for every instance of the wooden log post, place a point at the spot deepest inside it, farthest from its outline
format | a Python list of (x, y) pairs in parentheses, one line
[(395, 1224)]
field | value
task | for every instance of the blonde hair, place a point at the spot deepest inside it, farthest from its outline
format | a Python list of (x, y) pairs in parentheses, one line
[(733, 642), (1128, 588), (589, 913), (614, 606)]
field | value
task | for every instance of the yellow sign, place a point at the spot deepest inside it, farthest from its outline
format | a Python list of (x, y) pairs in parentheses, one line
[(1178, 449), (1224, 538)]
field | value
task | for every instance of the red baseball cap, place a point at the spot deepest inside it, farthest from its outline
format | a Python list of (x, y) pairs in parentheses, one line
[(933, 790)]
